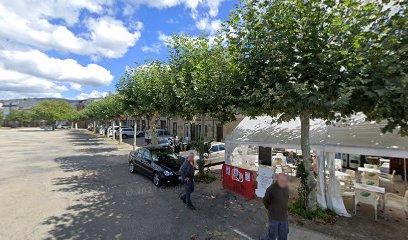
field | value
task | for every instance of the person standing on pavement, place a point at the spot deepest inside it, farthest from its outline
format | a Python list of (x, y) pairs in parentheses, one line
[(276, 202), (187, 173)]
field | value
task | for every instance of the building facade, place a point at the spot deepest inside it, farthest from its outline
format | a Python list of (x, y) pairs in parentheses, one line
[(188, 130)]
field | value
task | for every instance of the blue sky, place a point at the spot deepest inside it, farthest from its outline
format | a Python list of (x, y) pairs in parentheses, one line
[(79, 49)]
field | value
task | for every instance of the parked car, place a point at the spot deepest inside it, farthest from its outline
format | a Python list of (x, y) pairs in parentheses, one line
[(126, 132), (161, 133), (139, 134), (216, 153), (116, 128), (165, 142), (159, 163)]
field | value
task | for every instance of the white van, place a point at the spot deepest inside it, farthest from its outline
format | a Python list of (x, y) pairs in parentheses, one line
[(161, 133)]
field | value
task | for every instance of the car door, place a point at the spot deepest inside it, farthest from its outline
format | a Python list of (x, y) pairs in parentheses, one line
[(138, 160), (147, 162), (213, 153)]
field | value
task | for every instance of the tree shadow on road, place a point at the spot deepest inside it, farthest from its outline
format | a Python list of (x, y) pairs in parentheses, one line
[(98, 212)]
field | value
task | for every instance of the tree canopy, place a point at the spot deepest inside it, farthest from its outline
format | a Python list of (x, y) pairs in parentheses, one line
[(200, 68), (318, 59), (54, 110)]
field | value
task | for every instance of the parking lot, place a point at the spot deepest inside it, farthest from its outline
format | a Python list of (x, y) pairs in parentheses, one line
[(70, 184)]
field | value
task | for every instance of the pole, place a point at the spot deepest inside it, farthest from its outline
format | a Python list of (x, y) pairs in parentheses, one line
[(405, 173), (134, 134)]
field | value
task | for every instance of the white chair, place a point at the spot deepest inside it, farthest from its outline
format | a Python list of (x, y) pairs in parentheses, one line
[(371, 166), (347, 191), (338, 164), (388, 178), (395, 201), (288, 170), (277, 162), (366, 197), (371, 179)]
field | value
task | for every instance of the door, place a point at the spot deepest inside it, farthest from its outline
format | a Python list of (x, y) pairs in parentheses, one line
[(265, 156), (174, 128), (220, 133), (163, 124), (193, 132)]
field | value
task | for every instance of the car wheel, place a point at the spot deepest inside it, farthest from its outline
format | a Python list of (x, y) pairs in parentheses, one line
[(132, 168), (124, 136), (156, 179)]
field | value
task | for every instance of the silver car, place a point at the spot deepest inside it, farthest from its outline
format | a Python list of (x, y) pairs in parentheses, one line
[(216, 153)]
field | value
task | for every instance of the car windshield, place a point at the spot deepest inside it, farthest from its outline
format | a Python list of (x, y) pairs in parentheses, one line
[(163, 155), (163, 141)]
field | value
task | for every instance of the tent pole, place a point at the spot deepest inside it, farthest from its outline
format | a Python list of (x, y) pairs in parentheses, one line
[(405, 173)]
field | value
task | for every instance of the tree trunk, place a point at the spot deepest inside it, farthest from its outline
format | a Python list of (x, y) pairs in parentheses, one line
[(153, 124), (201, 144), (307, 160), (76, 125), (113, 130), (94, 126), (120, 131), (134, 134)]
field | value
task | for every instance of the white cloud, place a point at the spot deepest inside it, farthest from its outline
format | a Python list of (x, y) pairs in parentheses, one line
[(154, 48), (30, 23), (37, 64), (93, 94), (206, 24), (163, 37), (76, 86), (17, 85), (199, 8)]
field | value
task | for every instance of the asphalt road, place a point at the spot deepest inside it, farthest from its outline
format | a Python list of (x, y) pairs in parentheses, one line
[(69, 184)]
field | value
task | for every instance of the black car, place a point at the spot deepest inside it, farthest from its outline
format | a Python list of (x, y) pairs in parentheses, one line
[(157, 162)]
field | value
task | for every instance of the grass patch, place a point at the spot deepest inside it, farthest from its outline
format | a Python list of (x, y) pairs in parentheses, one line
[(319, 215)]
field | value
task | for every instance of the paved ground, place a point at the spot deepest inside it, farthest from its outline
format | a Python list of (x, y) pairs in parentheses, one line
[(69, 184)]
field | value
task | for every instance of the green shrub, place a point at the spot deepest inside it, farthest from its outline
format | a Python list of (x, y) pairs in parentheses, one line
[(319, 215), (208, 177)]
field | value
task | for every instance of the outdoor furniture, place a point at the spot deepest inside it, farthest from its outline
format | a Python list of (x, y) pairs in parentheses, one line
[(347, 191), (286, 169), (372, 170), (373, 189), (277, 162), (366, 197), (370, 178), (338, 164), (395, 201), (351, 173), (370, 166), (388, 178)]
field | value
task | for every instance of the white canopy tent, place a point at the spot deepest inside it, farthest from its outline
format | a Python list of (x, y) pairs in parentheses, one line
[(353, 136)]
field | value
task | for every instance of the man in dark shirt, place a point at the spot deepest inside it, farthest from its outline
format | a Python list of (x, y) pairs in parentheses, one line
[(187, 173), (276, 202)]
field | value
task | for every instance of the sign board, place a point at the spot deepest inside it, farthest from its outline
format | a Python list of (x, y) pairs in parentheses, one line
[(264, 180)]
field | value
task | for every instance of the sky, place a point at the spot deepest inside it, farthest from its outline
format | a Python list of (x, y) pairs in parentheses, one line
[(79, 49)]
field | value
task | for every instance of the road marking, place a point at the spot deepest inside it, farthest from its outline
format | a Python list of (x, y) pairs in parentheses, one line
[(242, 234)]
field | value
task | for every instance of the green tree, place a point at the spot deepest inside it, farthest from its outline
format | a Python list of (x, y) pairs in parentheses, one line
[(1, 117), (308, 59), (200, 67), (146, 91), (53, 110), (20, 116)]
